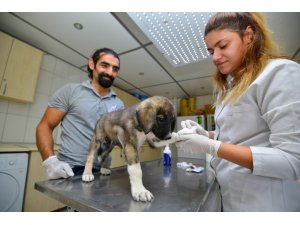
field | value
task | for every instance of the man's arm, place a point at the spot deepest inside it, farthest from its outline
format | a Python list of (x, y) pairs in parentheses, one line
[(44, 130)]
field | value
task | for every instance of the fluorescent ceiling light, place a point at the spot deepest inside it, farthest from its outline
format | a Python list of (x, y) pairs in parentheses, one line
[(179, 36)]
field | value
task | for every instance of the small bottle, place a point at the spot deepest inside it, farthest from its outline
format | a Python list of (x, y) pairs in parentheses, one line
[(167, 176), (167, 156)]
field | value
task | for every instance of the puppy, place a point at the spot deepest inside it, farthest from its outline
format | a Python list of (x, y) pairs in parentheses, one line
[(152, 119)]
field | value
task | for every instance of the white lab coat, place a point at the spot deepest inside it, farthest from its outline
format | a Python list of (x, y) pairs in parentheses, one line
[(266, 118)]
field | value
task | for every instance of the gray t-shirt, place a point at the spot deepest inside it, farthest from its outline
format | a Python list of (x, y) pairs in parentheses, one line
[(83, 107)]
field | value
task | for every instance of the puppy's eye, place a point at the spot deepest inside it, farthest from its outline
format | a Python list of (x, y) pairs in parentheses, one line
[(161, 118)]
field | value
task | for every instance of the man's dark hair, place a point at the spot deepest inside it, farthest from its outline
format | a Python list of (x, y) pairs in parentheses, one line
[(96, 57)]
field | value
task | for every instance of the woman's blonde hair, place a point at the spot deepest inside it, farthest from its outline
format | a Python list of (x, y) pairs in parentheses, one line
[(261, 49)]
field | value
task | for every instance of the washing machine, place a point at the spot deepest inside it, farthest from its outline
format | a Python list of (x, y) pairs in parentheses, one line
[(13, 173)]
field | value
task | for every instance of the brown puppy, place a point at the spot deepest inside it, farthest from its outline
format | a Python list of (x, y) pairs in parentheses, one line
[(152, 119)]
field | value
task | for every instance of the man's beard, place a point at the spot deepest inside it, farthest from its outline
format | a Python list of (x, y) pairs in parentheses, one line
[(105, 80)]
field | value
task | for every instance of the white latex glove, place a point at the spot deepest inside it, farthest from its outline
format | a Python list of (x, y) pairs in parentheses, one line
[(184, 131), (191, 124), (57, 169), (195, 143)]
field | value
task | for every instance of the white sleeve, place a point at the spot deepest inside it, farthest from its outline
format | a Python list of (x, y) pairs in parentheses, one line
[(279, 101)]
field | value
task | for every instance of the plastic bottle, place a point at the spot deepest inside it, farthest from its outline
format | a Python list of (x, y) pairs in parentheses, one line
[(167, 155), (167, 175)]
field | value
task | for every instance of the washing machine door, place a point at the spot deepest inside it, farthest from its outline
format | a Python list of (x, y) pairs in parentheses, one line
[(9, 194)]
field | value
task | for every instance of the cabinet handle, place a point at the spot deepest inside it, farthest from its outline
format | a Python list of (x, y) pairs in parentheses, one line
[(5, 85)]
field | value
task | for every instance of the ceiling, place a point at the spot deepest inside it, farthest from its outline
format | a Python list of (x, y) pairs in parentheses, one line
[(144, 70)]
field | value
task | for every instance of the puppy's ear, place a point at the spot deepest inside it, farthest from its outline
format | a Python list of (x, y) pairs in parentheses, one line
[(146, 115)]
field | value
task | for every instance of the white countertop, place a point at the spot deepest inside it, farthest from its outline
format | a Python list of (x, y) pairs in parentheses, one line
[(12, 148), (20, 147)]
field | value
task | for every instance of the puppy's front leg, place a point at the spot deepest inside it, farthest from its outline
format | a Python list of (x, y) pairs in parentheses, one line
[(138, 191), (156, 143)]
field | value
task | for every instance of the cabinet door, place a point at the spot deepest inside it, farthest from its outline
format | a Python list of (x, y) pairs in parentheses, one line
[(35, 201), (147, 153), (21, 73), (128, 99), (5, 46)]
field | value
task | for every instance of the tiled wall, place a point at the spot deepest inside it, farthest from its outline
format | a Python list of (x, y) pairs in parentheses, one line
[(19, 120)]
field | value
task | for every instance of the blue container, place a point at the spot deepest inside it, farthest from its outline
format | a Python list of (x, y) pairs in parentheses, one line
[(167, 159)]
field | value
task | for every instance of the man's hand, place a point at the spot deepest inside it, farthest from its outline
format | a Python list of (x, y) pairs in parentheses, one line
[(197, 127), (189, 141), (57, 169)]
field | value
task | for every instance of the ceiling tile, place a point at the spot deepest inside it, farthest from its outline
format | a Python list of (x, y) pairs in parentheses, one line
[(285, 31), (124, 85), (100, 29), (25, 32), (198, 87), (170, 91), (138, 61)]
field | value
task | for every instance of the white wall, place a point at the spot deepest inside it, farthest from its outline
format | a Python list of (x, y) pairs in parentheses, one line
[(19, 120)]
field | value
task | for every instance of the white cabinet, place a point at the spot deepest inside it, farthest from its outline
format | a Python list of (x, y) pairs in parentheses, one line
[(19, 69)]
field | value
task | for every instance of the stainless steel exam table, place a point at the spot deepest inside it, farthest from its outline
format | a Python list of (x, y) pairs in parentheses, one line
[(174, 189)]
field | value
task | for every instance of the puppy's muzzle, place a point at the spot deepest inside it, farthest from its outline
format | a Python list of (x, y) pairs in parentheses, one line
[(169, 136)]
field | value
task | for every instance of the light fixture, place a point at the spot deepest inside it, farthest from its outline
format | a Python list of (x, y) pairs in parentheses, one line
[(78, 26), (179, 36)]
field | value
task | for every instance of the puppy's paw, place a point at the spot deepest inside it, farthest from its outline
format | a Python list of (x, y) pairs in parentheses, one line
[(105, 171), (142, 194), (87, 177)]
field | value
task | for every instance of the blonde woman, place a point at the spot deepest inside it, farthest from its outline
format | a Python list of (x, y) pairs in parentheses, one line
[(256, 144)]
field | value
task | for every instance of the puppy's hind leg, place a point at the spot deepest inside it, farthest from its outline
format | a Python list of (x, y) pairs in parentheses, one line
[(87, 175), (105, 170), (104, 157)]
